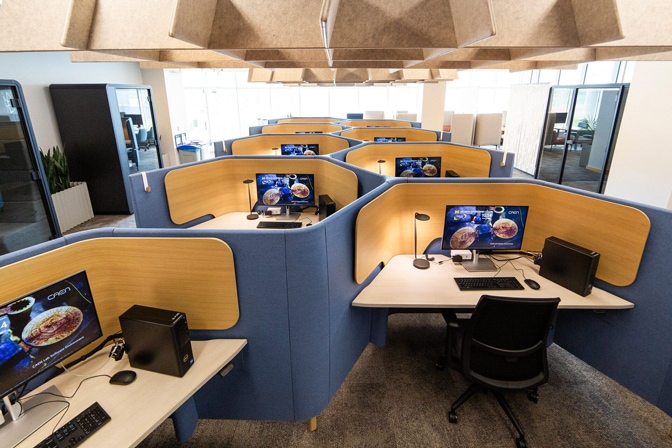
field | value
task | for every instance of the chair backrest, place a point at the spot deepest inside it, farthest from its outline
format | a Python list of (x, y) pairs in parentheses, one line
[(129, 135), (462, 128), (142, 135), (504, 344)]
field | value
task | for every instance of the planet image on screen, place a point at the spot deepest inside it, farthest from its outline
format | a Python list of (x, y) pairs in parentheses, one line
[(271, 196), (406, 173), (505, 228), (429, 170), (52, 326), (463, 237), (300, 190)]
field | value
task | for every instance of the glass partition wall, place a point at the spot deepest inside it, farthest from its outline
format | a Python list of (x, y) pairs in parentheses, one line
[(135, 105), (580, 132), (26, 210)]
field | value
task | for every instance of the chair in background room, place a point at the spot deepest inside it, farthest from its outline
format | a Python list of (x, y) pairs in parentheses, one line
[(151, 140), (131, 142), (406, 116), (379, 114), (142, 139), (447, 120), (503, 348)]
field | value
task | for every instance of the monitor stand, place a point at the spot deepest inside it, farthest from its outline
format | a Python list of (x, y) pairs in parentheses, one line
[(478, 264), (288, 216), (35, 413)]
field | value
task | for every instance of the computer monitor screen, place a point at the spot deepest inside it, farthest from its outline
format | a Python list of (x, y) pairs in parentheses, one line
[(389, 139), (482, 227), (43, 328), (308, 132), (355, 116), (417, 166), (310, 149), (286, 189)]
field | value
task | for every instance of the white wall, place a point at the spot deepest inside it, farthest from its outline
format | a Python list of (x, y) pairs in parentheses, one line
[(35, 71), (640, 169)]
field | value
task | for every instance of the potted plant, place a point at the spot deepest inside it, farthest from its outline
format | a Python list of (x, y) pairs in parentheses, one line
[(71, 199)]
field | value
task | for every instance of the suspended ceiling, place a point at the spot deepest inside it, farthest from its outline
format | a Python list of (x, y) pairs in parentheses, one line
[(342, 41)]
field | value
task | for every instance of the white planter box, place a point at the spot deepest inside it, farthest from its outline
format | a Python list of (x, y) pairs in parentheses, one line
[(73, 206)]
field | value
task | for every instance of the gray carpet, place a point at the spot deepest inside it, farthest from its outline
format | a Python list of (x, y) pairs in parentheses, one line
[(394, 397)]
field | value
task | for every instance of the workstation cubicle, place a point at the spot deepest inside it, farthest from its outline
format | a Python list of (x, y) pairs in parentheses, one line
[(272, 144), (295, 288)]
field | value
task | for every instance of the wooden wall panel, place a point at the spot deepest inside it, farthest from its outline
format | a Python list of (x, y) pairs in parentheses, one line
[(145, 271), (411, 134), (264, 144), (293, 128), (592, 223), (216, 188), (467, 162), (374, 122)]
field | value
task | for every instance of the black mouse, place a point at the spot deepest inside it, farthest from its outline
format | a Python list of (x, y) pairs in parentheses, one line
[(532, 284), (123, 377), (309, 224)]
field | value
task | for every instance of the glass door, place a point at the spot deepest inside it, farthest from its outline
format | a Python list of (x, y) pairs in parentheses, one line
[(26, 213), (142, 142), (580, 131)]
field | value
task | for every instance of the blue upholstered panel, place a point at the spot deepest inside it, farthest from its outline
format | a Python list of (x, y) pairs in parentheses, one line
[(13, 257), (260, 388), (634, 347)]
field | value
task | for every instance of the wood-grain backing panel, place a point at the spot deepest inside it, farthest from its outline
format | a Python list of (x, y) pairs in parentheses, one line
[(411, 134), (264, 144)]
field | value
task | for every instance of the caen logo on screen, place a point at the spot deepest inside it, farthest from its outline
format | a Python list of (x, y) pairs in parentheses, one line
[(58, 293)]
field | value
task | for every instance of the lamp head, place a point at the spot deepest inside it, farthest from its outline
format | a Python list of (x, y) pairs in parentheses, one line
[(248, 181), (421, 216)]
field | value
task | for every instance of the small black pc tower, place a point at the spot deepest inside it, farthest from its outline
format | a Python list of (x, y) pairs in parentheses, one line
[(569, 265), (451, 173), (157, 340), (326, 206)]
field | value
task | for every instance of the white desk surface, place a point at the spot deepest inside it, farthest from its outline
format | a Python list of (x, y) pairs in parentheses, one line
[(400, 285), (138, 408), (238, 220)]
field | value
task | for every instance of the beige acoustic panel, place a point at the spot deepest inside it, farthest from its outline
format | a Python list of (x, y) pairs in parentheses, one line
[(259, 24), (375, 122), (216, 188), (293, 128), (193, 20), (409, 133), (467, 162), (309, 120), (264, 144), (327, 21), (78, 24), (146, 271), (633, 53), (644, 22), (259, 75), (553, 23), (384, 227), (462, 129), (33, 25), (128, 25), (488, 129), (473, 21), (407, 24), (351, 75), (319, 75), (287, 75)]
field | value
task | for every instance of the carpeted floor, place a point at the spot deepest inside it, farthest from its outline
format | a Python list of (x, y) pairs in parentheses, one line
[(394, 397)]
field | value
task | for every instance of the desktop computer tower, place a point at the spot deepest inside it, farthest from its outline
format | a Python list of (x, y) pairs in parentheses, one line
[(326, 206), (569, 265), (157, 340)]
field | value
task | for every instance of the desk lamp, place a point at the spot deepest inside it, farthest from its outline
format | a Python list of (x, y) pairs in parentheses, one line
[(249, 198), (380, 162), (275, 151), (420, 263)]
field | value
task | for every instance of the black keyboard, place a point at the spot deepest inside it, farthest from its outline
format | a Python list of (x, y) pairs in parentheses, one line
[(278, 225), (78, 429), (487, 283)]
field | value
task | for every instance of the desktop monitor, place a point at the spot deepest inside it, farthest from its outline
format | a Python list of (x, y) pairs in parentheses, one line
[(308, 132), (389, 139), (483, 228), (310, 149), (293, 191), (355, 116), (417, 166), (37, 331)]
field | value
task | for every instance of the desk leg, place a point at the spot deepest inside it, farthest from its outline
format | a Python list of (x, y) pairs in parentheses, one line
[(312, 424)]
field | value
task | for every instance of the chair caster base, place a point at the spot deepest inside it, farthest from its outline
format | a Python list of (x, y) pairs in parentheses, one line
[(521, 443), (452, 417)]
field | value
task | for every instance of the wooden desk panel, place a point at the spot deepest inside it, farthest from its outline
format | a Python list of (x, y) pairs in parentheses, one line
[(293, 128), (373, 122), (263, 144), (216, 188), (192, 275), (140, 407), (467, 162), (593, 223), (400, 285), (411, 134)]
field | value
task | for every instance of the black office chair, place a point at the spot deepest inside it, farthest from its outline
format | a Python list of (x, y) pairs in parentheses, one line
[(504, 348), (142, 139), (131, 143)]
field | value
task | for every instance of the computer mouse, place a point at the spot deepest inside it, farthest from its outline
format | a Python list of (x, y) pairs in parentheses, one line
[(309, 224), (123, 377), (532, 284)]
